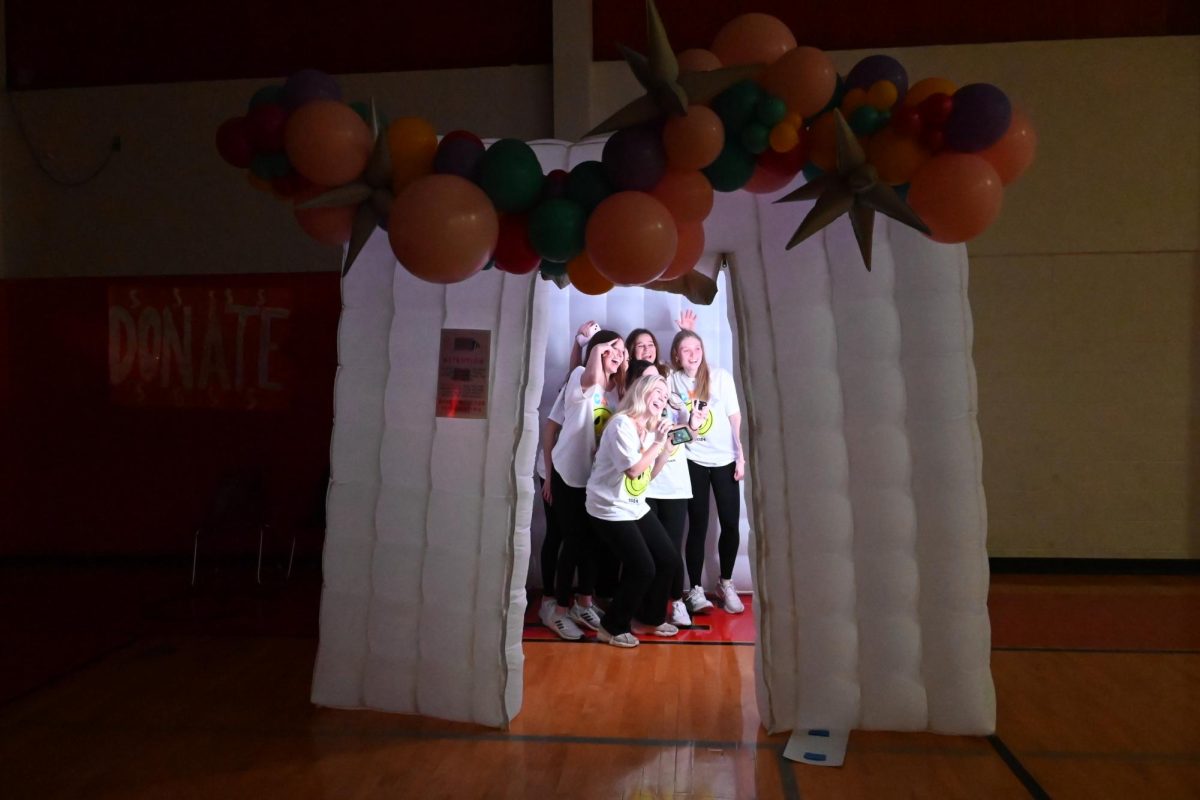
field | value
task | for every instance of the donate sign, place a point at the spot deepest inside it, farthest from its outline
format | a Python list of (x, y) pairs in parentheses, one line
[(198, 347)]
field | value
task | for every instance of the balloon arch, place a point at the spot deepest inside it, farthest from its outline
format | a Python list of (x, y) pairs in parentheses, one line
[(748, 114)]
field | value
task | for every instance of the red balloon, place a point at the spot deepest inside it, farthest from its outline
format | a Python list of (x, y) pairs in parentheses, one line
[(935, 110), (957, 195), (687, 252), (267, 123), (514, 252), (233, 142), (906, 121), (773, 171), (932, 139)]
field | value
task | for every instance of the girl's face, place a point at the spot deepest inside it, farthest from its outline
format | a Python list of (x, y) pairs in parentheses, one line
[(691, 354), (656, 400), (614, 358), (644, 349)]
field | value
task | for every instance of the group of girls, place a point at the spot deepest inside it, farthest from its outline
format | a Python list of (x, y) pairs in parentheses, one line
[(631, 450)]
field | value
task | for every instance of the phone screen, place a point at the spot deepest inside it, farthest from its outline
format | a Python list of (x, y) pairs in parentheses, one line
[(680, 436)]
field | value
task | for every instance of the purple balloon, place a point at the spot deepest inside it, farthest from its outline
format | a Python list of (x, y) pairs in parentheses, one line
[(308, 85), (980, 117), (459, 156), (872, 69), (634, 158)]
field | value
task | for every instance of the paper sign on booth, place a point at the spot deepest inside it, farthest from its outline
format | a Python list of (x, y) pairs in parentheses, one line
[(463, 364)]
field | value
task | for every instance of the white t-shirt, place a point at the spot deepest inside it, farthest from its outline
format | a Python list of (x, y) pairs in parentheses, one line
[(611, 494), (673, 482), (555, 415), (712, 445), (584, 417)]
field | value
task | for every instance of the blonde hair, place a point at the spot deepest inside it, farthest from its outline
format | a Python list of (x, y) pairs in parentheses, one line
[(634, 403), (701, 391)]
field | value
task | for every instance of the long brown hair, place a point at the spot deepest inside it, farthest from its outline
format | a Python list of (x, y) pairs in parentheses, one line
[(701, 390), (604, 337)]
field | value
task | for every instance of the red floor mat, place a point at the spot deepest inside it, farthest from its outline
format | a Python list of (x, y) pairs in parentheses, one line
[(715, 627)]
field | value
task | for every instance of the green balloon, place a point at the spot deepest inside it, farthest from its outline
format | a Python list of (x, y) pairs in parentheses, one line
[(511, 176), (556, 229), (770, 110), (267, 95), (755, 137), (732, 169), (269, 166), (735, 106), (363, 109), (588, 184)]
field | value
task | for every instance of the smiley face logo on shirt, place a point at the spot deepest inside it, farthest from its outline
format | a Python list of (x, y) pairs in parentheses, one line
[(636, 487), (705, 426), (600, 417)]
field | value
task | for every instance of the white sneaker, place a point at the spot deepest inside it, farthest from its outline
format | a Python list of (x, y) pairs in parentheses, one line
[(679, 614), (620, 640), (546, 610), (729, 597), (696, 602), (562, 624), (664, 630), (585, 616)]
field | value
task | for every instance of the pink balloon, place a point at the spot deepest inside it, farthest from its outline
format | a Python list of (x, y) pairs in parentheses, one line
[(752, 39), (957, 195), (1013, 154)]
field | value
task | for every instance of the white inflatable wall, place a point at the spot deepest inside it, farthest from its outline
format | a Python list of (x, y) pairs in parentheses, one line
[(867, 504)]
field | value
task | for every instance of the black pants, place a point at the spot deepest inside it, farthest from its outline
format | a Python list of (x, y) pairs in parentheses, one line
[(729, 512), (673, 516), (648, 562), (571, 518), (550, 545)]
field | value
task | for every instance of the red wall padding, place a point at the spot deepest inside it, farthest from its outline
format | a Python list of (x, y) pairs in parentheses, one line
[(85, 472)]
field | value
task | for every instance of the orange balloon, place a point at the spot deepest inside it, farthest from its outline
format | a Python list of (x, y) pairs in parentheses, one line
[(687, 252), (957, 195), (784, 137), (882, 95), (631, 238), (752, 39), (584, 276), (443, 228), (926, 87), (694, 140), (804, 78), (895, 157), (327, 225), (823, 142), (327, 142), (687, 195), (412, 144), (1013, 154), (697, 59)]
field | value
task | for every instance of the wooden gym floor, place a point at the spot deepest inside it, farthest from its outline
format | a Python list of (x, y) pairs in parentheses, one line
[(119, 682)]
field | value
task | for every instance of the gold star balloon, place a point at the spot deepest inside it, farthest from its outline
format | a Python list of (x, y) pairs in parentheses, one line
[(372, 194), (854, 188), (667, 90)]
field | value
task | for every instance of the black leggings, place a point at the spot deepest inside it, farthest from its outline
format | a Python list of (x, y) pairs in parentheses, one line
[(550, 545), (729, 512), (571, 518), (673, 516), (648, 563)]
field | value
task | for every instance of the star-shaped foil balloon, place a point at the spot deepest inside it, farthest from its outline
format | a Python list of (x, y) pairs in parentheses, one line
[(667, 91), (854, 188), (372, 193)]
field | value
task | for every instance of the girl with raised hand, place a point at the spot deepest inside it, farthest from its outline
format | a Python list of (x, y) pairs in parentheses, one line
[(590, 397), (633, 449), (715, 461)]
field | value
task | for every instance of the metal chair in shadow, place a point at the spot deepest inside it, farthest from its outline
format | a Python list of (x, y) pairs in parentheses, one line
[(239, 505)]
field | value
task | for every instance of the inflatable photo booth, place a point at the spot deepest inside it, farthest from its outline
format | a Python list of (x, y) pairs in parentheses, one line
[(865, 517)]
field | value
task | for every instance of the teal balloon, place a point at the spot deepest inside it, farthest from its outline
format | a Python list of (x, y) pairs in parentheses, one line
[(491, 263), (267, 95), (732, 169), (864, 120), (556, 229), (902, 191), (736, 105), (269, 166), (510, 174), (552, 269), (756, 137), (812, 172), (770, 110), (363, 109), (588, 184)]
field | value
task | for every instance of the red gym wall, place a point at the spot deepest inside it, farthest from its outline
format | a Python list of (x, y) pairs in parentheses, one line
[(93, 467)]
